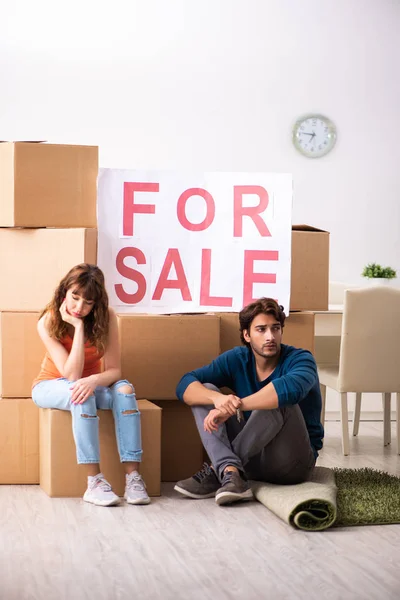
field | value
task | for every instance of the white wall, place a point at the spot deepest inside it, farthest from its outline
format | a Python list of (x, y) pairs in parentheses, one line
[(217, 85)]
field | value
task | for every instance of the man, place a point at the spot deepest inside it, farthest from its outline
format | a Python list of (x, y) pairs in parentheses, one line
[(269, 428)]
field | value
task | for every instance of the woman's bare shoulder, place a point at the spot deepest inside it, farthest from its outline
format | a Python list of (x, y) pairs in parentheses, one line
[(43, 322)]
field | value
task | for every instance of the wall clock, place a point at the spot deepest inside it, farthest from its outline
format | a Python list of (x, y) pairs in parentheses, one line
[(314, 135)]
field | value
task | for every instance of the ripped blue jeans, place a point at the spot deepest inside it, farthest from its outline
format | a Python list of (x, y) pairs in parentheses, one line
[(56, 393)]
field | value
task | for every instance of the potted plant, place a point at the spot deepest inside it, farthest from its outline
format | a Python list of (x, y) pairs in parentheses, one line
[(378, 275)]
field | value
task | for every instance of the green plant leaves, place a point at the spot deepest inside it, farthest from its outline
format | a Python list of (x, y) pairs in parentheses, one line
[(373, 270)]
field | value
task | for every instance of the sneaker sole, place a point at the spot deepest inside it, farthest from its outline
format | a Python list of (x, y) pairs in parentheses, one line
[(229, 497), (139, 501), (105, 503), (194, 496)]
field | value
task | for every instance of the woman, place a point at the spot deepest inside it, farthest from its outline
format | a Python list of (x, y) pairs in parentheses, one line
[(80, 331)]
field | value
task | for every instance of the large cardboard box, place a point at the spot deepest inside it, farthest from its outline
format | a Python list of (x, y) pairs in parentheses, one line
[(19, 441), (61, 476), (33, 261), (298, 330), (157, 350), (47, 185), (310, 268), (181, 446), (21, 353)]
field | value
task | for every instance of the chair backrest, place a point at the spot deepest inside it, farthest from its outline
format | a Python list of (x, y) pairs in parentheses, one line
[(370, 344)]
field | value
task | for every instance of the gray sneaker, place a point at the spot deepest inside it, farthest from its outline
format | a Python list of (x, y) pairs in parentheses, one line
[(203, 484), (233, 489)]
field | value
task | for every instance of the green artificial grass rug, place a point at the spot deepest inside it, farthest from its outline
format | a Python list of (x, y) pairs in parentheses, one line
[(366, 497), (334, 498)]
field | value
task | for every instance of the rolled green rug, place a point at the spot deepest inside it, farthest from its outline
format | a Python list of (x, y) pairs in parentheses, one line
[(310, 505), (334, 497)]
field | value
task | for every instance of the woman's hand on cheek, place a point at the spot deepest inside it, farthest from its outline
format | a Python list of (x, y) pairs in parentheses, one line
[(67, 317)]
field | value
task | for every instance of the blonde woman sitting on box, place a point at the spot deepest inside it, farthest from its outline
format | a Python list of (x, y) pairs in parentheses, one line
[(79, 329)]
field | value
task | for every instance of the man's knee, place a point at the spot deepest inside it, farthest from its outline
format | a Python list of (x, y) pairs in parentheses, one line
[(211, 386)]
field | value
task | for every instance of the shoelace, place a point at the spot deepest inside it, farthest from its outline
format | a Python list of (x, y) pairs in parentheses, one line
[(227, 477), (135, 482), (102, 484), (204, 472)]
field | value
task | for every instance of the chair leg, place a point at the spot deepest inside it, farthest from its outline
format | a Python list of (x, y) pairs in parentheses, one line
[(344, 415), (398, 421), (386, 419), (323, 397), (356, 416)]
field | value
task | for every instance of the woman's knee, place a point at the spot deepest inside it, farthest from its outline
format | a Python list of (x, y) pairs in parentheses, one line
[(124, 387), (126, 398)]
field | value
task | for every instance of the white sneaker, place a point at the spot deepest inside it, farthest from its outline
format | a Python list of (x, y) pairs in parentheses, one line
[(135, 489), (99, 492)]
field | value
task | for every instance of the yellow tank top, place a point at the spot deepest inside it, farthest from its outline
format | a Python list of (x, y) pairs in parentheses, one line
[(92, 364)]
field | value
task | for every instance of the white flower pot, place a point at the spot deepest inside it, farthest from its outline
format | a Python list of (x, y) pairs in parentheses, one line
[(375, 281)]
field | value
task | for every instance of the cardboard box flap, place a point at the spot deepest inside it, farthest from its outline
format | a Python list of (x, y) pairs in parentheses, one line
[(303, 227)]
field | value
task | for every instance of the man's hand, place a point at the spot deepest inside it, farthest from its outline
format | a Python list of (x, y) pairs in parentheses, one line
[(82, 389), (214, 419), (227, 404)]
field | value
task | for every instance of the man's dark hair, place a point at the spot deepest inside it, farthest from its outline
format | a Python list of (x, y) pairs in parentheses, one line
[(266, 306)]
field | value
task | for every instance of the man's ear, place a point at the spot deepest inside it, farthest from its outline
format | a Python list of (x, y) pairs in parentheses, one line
[(246, 335)]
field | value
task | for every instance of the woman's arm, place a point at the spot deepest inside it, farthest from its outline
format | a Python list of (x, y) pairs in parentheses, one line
[(70, 365), (112, 356)]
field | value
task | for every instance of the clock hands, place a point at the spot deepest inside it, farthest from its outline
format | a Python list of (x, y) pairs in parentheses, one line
[(313, 135)]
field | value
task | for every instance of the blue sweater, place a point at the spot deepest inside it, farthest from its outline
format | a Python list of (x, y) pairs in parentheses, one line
[(295, 379)]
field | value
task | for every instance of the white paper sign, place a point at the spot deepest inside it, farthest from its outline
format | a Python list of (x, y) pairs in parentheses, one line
[(174, 242)]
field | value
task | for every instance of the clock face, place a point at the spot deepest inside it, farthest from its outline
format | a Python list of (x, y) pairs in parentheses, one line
[(314, 135)]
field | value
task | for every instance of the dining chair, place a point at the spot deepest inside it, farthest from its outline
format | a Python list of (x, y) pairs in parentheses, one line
[(369, 358)]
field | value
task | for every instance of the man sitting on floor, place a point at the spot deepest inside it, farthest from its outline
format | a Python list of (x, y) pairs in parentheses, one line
[(269, 428)]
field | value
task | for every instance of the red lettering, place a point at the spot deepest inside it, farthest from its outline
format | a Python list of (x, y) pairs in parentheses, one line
[(131, 274), (130, 208), (205, 298), (239, 211), (172, 258), (250, 278), (181, 209)]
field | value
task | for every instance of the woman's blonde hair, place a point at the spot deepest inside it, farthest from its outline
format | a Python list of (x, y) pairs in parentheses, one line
[(89, 280)]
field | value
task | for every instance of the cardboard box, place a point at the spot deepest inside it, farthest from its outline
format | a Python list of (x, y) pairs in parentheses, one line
[(21, 353), (19, 441), (48, 185), (310, 268), (33, 261), (61, 476), (181, 446), (298, 330), (157, 350)]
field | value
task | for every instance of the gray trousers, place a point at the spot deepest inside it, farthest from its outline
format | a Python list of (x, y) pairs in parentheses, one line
[(272, 445)]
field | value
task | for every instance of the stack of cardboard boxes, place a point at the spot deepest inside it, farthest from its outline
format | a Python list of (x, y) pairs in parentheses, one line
[(41, 187), (47, 225)]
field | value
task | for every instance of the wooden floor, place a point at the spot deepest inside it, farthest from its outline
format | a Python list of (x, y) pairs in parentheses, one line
[(194, 550)]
